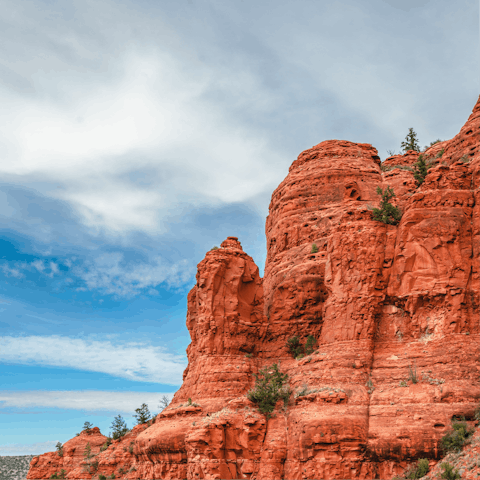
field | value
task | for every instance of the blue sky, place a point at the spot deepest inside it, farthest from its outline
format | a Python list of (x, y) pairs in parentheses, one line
[(137, 135)]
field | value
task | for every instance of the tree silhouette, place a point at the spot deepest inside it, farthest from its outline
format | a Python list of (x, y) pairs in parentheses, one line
[(411, 142)]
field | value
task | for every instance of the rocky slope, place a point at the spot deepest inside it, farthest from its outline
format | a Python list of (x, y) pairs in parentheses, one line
[(14, 467), (393, 309)]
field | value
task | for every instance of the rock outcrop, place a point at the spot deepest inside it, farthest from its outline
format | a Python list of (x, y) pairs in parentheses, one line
[(394, 311)]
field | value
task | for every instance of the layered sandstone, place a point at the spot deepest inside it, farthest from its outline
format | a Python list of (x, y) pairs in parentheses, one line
[(386, 305)]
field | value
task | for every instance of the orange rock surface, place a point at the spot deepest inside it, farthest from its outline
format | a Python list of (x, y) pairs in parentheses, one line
[(394, 311)]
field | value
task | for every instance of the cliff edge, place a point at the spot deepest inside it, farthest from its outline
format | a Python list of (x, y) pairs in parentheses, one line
[(394, 311)]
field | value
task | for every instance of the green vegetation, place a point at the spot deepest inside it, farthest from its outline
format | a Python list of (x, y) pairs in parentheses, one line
[(314, 248), (119, 428), (130, 447), (412, 374), (143, 414), (87, 426), (106, 444), (59, 475), (191, 404), (310, 345), (102, 477), (214, 248), (411, 142), (415, 471), (456, 437), (297, 349), (294, 346), (448, 472), (419, 470), (270, 386), (87, 453), (59, 448), (420, 170), (387, 213), (249, 355)]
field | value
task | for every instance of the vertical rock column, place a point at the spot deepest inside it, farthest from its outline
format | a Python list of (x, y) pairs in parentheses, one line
[(332, 294)]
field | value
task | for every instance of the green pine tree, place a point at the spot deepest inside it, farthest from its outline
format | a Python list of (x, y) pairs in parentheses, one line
[(387, 213), (143, 414), (411, 142), (119, 428), (420, 170)]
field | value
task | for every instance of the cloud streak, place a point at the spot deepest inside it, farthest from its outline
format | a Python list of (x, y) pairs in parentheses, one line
[(132, 361), (102, 402), (18, 449)]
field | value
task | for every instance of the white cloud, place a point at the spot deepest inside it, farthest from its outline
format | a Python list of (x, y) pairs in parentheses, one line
[(103, 402), (129, 151), (17, 449), (133, 361), (110, 275), (11, 271)]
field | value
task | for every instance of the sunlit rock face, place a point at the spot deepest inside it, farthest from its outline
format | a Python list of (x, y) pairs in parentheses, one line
[(394, 311)]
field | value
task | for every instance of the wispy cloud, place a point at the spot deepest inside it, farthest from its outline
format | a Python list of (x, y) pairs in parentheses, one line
[(27, 448), (133, 361), (110, 274), (103, 402)]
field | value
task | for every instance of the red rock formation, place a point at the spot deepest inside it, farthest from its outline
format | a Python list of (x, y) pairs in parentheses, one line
[(393, 309)]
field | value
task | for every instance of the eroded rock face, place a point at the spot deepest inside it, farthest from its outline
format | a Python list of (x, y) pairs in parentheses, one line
[(394, 311)]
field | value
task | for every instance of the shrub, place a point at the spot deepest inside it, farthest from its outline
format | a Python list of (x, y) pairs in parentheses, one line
[(465, 158), (112, 475), (294, 346), (456, 437), (214, 248), (130, 448), (448, 472), (59, 448), (387, 213), (270, 386), (119, 427), (87, 453), (411, 141), (249, 355), (314, 248), (59, 475), (106, 445), (417, 471), (420, 170), (440, 153), (310, 345), (102, 477), (412, 374), (143, 414)]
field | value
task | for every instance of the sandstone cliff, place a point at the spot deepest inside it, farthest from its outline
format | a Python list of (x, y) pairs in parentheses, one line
[(383, 302)]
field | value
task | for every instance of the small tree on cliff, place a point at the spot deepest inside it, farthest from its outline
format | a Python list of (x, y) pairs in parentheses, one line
[(119, 428), (387, 213), (87, 426), (59, 448), (270, 386), (411, 142), (420, 170), (164, 401), (143, 414)]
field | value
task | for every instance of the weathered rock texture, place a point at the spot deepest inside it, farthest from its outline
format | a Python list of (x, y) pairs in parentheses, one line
[(394, 311)]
